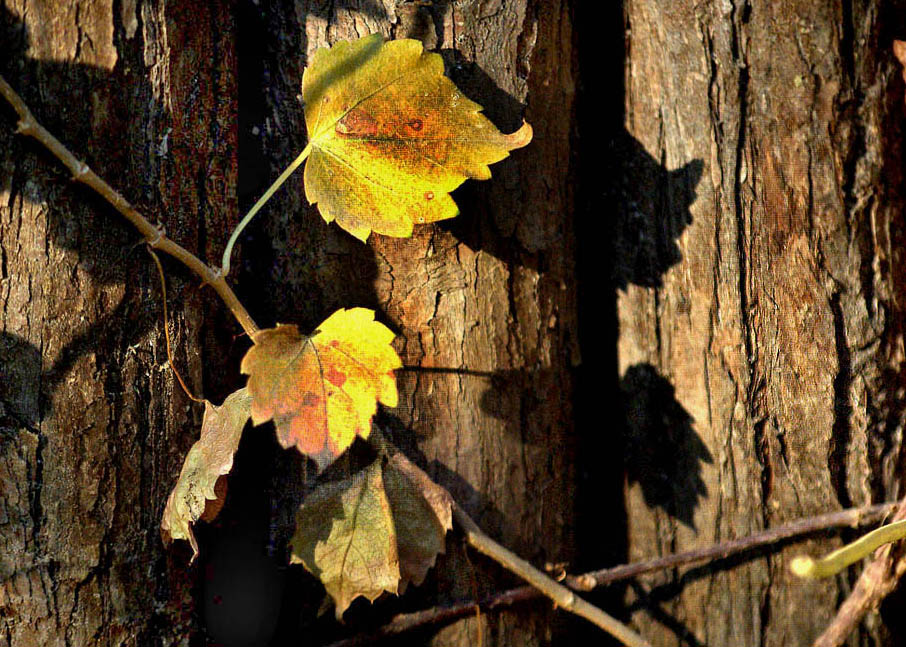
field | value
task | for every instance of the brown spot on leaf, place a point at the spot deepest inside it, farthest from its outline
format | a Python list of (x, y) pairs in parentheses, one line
[(310, 399), (357, 123), (416, 124), (429, 195), (335, 377)]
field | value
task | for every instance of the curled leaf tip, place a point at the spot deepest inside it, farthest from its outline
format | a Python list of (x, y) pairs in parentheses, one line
[(521, 137), (200, 491)]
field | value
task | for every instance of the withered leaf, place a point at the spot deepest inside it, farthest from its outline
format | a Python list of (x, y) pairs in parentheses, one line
[(322, 391), (208, 459), (391, 136)]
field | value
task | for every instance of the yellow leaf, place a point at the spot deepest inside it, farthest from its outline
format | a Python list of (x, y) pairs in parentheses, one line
[(391, 136), (209, 458), (322, 391)]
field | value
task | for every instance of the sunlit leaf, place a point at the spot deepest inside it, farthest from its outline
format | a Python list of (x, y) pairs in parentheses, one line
[(346, 538), (322, 391), (391, 136), (422, 515), (196, 492)]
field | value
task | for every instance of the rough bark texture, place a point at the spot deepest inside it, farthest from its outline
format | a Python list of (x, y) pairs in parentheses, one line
[(92, 429), (766, 330)]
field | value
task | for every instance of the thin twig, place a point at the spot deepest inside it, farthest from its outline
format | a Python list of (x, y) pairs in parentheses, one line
[(853, 517), (163, 297), (154, 236), (876, 582), (440, 615)]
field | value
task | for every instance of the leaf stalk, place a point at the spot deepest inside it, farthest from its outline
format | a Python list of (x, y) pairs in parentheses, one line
[(834, 562), (247, 218)]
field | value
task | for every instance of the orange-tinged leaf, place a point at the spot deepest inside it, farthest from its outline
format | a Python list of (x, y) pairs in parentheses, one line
[(346, 538), (208, 459), (391, 136), (322, 391), (422, 515)]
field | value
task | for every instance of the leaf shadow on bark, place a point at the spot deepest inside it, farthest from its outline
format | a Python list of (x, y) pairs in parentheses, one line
[(663, 452), (494, 216), (631, 211), (651, 214)]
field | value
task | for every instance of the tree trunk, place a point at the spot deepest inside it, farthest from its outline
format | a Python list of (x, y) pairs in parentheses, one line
[(92, 428), (760, 305)]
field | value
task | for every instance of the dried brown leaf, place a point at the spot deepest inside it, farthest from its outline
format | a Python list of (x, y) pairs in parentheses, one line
[(209, 458)]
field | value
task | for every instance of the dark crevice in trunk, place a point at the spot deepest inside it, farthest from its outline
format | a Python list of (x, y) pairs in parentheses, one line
[(600, 509), (839, 443)]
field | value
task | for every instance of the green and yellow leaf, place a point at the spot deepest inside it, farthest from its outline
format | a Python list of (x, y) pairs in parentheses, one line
[(322, 391), (391, 136), (208, 459), (346, 538), (373, 532), (422, 515)]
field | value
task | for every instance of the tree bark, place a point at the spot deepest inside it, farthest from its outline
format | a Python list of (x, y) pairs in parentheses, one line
[(92, 427), (93, 431), (760, 309)]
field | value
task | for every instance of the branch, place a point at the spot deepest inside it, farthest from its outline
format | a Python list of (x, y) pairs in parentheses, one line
[(853, 517), (154, 236), (561, 595)]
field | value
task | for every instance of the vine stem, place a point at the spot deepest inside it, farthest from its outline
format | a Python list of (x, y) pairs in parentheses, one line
[(247, 218), (154, 235)]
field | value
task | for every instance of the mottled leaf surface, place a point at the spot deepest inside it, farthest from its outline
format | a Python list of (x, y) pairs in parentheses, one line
[(346, 538), (422, 515), (376, 531), (391, 136), (208, 459), (322, 391)]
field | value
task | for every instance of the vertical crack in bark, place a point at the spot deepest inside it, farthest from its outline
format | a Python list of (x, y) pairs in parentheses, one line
[(839, 443), (847, 41), (36, 486)]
